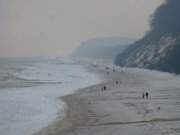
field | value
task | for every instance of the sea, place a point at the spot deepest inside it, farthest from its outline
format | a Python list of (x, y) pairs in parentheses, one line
[(25, 110)]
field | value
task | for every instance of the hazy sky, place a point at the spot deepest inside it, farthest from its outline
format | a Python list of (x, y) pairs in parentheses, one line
[(56, 27)]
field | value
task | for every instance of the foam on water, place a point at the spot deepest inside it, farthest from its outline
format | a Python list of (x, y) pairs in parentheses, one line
[(26, 110)]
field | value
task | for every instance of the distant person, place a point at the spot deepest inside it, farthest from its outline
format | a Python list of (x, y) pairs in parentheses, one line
[(147, 95), (107, 68), (114, 70), (89, 102), (143, 95), (117, 82), (105, 88)]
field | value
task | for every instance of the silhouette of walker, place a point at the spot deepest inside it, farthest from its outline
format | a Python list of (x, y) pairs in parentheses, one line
[(147, 95), (143, 95), (117, 82), (104, 88)]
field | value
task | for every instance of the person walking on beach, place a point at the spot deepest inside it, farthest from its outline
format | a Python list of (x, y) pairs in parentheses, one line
[(114, 70), (117, 82), (147, 95), (105, 88), (143, 95)]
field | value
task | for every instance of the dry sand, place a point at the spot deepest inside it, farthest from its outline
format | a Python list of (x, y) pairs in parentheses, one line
[(120, 109)]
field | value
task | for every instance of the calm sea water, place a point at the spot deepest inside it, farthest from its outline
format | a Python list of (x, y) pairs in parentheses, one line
[(25, 110)]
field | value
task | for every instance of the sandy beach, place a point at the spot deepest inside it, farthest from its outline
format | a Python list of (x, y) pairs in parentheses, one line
[(120, 108)]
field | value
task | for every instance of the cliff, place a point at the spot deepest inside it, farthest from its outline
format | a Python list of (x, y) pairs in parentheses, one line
[(159, 48)]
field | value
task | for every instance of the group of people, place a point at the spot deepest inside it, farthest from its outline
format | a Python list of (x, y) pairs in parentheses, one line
[(108, 72), (145, 95)]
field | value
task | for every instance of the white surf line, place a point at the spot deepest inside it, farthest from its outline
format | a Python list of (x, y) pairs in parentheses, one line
[(140, 122)]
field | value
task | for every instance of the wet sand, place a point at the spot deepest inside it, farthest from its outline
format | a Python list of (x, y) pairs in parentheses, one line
[(120, 108)]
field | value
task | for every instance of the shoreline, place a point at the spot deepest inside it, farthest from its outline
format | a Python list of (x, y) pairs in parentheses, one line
[(77, 109), (120, 109)]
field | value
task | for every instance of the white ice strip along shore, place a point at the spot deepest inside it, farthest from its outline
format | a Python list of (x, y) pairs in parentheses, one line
[(25, 110)]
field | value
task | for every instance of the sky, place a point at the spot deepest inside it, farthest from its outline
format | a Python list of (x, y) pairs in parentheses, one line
[(57, 27)]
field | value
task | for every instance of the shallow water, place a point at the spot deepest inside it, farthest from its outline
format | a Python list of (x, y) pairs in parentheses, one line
[(28, 109)]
